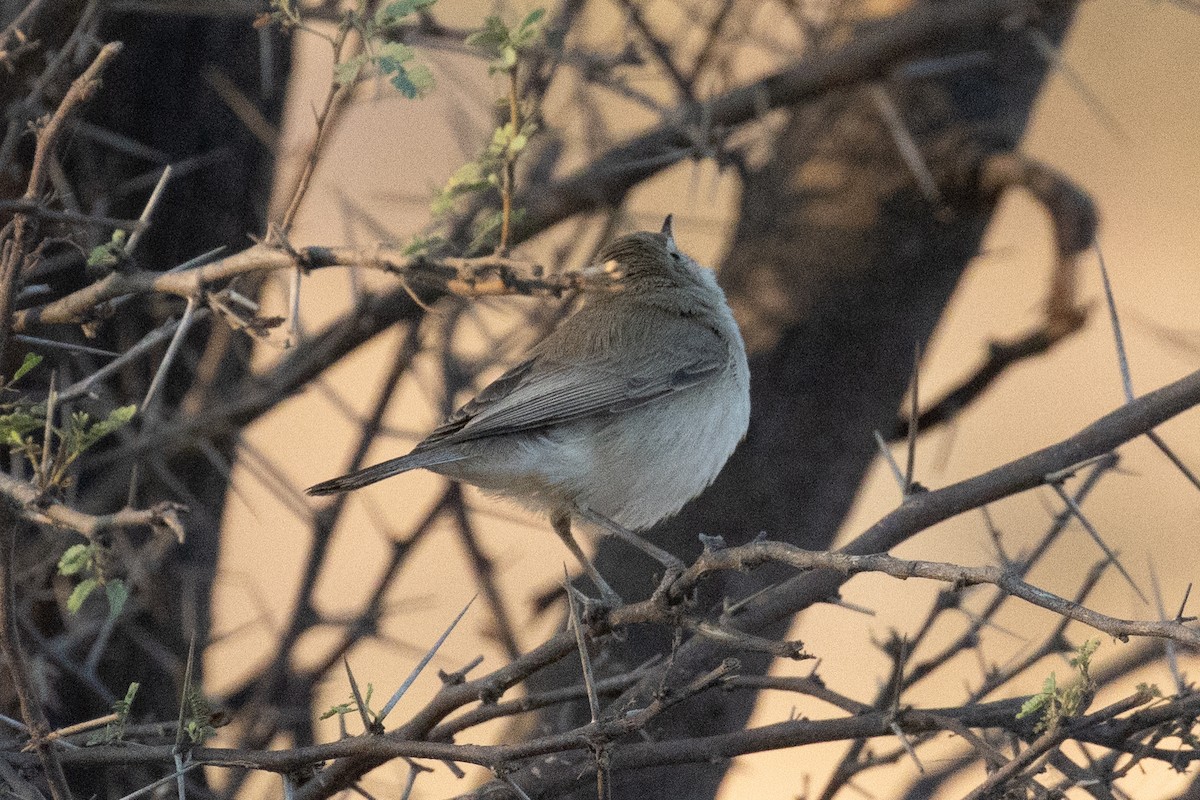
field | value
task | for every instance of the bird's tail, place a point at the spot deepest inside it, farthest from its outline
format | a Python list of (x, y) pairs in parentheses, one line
[(369, 475)]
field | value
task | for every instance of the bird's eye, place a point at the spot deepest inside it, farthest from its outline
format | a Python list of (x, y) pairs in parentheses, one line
[(675, 255)]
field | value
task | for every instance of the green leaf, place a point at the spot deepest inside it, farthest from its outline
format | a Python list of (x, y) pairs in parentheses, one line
[(420, 245), (414, 81), (393, 13), (115, 731), (492, 37), (344, 708), (80, 594), (1082, 659), (81, 435), (469, 174), (487, 232), (122, 707), (1149, 690), (15, 426), (347, 72), (118, 593), (77, 558), (109, 254), (532, 18), (501, 137), (508, 57), (394, 51), (31, 361)]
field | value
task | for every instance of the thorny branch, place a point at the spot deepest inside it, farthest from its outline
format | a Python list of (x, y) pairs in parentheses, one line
[(17, 239), (466, 277)]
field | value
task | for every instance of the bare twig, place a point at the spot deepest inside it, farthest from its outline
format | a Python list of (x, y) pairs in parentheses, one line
[(148, 210)]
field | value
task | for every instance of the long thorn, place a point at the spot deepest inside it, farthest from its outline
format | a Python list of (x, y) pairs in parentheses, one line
[(1087, 526)]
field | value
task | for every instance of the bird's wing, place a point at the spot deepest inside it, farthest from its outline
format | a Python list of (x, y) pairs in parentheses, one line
[(573, 380)]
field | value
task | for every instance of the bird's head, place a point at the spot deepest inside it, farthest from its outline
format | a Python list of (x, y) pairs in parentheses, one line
[(650, 266)]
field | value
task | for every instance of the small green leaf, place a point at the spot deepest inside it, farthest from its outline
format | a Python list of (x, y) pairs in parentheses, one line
[(1149, 690), (347, 72), (1031, 706), (393, 13), (80, 594), (394, 51), (31, 361), (532, 18), (423, 245), (487, 232), (344, 708), (410, 79), (502, 136), (492, 37), (115, 731), (118, 593), (77, 558), (122, 706), (469, 174), (82, 435), (413, 81), (15, 426), (109, 254)]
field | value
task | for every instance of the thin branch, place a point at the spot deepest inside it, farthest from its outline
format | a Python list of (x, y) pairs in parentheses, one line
[(148, 211)]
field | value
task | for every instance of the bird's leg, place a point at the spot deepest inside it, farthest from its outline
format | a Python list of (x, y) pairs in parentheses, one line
[(672, 566), (561, 521)]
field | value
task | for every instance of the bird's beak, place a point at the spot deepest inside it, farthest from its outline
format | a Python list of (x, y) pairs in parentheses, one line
[(668, 230)]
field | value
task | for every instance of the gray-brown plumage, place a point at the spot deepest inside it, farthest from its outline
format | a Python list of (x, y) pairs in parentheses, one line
[(622, 414)]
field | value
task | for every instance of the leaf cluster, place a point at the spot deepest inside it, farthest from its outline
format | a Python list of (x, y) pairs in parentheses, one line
[(22, 418), (198, 722), (88, 561), (390, 59), (353, 706), (115, 731), (504, 44), (75, 438), (1056, 703), (506, 145)]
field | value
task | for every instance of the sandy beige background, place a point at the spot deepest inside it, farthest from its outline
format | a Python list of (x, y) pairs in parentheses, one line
[(1141, 60)]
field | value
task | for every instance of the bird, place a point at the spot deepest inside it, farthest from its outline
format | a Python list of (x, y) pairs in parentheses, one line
[(621, 415)]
